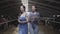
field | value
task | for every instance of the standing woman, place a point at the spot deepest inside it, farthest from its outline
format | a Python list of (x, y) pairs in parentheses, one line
[(35, 17), (23, 26)]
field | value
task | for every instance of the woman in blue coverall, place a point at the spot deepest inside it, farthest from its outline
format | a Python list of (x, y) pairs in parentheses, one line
[(23, 26)]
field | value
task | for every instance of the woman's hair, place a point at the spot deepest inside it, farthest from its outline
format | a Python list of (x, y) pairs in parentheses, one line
[(23, 7)]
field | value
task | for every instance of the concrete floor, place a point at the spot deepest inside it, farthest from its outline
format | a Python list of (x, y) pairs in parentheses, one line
[(42, 30)]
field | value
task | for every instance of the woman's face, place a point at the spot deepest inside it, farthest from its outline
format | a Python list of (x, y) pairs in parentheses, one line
[(21, 8), (33, 8)]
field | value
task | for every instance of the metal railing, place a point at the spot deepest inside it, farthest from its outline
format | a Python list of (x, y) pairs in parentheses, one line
[(8, 21)]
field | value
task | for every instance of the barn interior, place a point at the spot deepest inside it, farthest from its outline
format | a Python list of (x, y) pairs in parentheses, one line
[(49, 11)]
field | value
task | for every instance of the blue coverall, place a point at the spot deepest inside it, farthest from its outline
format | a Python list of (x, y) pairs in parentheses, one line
[(23, 27)]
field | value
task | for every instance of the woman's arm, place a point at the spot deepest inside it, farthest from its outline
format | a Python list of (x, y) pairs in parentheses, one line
[(19, 21), (22, 21)]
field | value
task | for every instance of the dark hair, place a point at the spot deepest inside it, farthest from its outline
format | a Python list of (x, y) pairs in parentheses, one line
[(23, 7), (35, 6)]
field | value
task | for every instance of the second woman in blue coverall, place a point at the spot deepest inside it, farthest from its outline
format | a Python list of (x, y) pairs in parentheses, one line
[(34, 16)]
